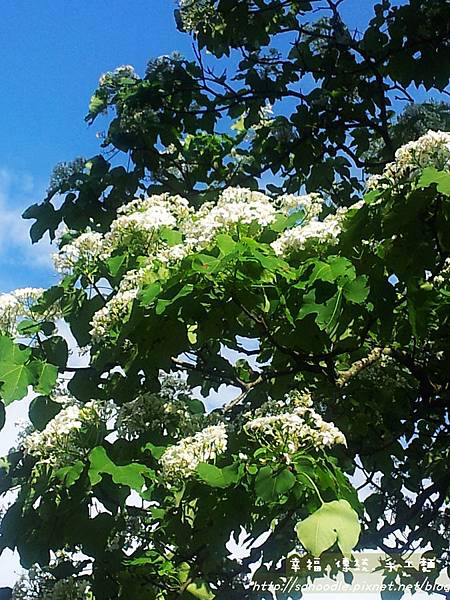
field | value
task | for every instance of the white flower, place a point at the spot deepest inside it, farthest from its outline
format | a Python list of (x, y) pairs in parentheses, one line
[(113, 313), (291, 430), (167, 411), (173, 254), (297, 238), (58, 443), (146, 221), (181, 460), (117, 309), (312, 204), (177, 205), (140, 220), (443, 277), (314, 232), (17, 305), (193, 12), (119, 72), (236, 206), (430, 150), (82, 254)]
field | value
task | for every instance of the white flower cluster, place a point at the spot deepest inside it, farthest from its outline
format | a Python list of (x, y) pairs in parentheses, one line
[(297, 238), (39, 583), (140, 220), (177, 205), (138, 226), (235, 207), (289, 431), (15, 306), (118, 308), (82, 253), (430, 150), (118, 73), (311, 204), (314, 232), (193, 12), (143, 217), (444, 276), (69, 588), (138, 223), (180, 460), (167, 411), (135, 229), (57, 444)]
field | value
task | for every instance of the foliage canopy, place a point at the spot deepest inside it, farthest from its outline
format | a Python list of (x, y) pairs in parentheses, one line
[(321, 300)]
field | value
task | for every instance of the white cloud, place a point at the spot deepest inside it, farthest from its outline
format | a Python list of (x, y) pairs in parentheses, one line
[(17, 192)]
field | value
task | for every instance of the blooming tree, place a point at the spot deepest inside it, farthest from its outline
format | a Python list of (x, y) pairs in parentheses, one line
[(319, 307)]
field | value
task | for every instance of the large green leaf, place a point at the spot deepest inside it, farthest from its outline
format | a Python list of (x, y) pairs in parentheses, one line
[(431, 175), (216, 477), (327, 313), (56, 351), (70, 474), (269, 484), (334, 522), (16, 378), (46, 375), (10, 352), (131, 475), (42, 410), (17, 373), (356, 291), (337, 268)]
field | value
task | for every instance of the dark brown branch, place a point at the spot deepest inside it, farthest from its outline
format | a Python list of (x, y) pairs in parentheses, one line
[(439, 487)]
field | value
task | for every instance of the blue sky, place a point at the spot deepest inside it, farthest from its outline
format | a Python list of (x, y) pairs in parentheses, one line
[(52, 56)]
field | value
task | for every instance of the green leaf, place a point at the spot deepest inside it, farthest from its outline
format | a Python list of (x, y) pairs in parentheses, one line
[(69, 475), (216, 477), (97, 105), (42, 410), (156, 451), (327, 314), (115, 264), (431, 175), (2, 415), (204, 263), (336, 269), (28, 326), (56, 351), (334, 522), (16, 378), (171, 236), (15, 375), (46, 374), (201, 590), (225, 243), (10, 352), (372, 196), (163, 304), (356, 291), (269, 485), (192, 333), (131, 475), (149, 293)]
